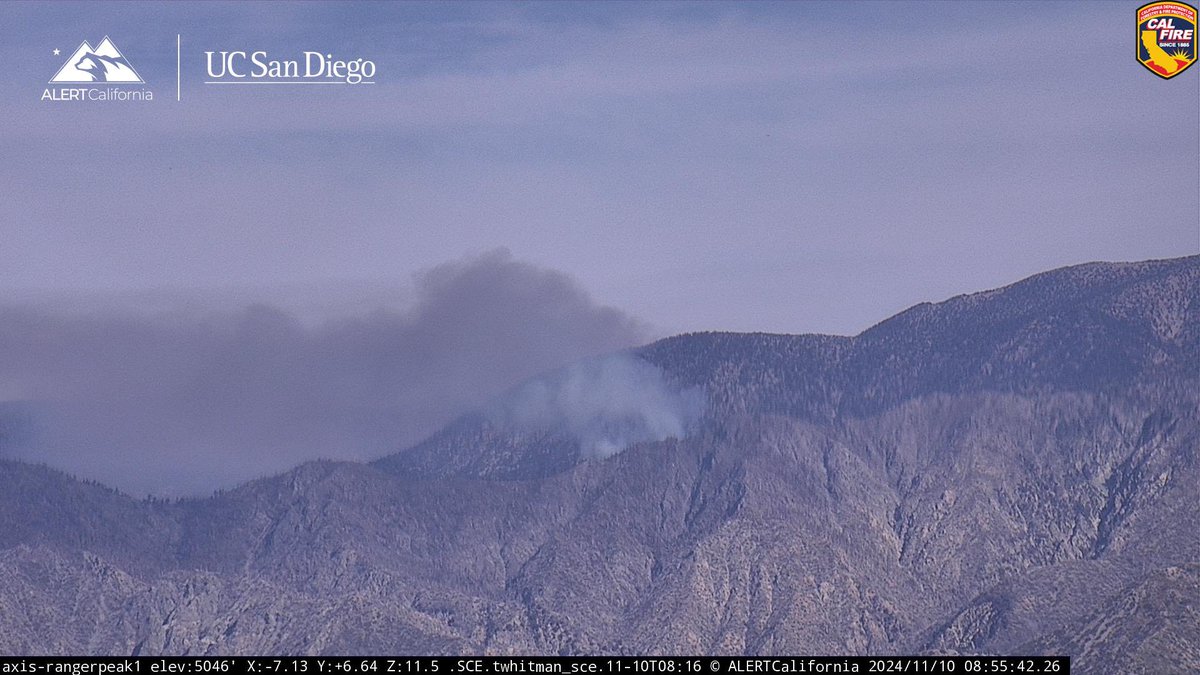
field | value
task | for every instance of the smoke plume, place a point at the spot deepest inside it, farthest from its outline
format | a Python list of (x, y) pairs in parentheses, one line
[(182, 403), (607, 403)]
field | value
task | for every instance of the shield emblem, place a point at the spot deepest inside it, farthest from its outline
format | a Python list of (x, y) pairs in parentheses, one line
[(1166, 37)]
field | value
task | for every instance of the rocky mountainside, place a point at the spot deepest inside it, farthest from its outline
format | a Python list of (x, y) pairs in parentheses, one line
[(1013, 471)]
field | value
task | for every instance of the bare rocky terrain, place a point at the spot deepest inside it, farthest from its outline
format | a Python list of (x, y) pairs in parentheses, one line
[(1013, 471)]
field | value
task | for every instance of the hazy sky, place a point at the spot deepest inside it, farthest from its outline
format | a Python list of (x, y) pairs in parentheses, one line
[(801, 167)]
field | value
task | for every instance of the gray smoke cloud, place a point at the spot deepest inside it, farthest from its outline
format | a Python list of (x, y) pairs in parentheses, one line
[(181, 403), (607, 403)]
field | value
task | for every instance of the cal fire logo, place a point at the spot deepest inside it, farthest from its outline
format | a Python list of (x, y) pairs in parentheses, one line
[(1166, 40), (105, 63)]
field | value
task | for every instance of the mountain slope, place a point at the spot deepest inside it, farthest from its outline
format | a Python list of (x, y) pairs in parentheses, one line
[(1005, 471)]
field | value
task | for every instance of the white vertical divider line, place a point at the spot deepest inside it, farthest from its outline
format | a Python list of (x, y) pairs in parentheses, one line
[(177, 81)]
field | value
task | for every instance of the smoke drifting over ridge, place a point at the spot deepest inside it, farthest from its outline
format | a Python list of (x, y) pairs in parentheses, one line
[(186, 404)]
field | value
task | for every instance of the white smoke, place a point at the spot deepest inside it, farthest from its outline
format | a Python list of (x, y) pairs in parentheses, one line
[(607, 403)]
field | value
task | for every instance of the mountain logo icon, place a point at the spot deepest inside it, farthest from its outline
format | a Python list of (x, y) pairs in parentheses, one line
[(105, 63)]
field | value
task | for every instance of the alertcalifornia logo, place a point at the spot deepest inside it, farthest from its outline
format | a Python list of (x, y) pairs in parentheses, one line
[(1166, 37), (104, 67), (106, 73)]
